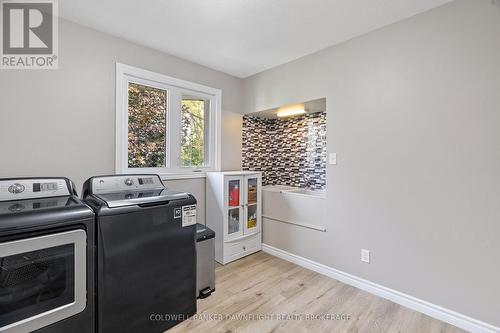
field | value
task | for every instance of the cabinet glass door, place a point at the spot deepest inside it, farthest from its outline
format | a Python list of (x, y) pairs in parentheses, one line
[(252, 204), (234, 186), (234, 226)]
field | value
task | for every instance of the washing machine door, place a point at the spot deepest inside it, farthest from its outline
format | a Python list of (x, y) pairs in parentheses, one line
[(42, 280)]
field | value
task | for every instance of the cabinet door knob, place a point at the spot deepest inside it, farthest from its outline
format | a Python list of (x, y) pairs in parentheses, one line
[(244, 248)]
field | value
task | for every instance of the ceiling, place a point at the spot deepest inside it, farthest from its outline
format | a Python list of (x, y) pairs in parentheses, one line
[(240, 37)]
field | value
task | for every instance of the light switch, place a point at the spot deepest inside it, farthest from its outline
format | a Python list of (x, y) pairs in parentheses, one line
[(365, 256), (333, 158)]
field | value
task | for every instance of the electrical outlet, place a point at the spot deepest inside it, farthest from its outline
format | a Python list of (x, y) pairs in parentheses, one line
[(333, 158), (365, 256)]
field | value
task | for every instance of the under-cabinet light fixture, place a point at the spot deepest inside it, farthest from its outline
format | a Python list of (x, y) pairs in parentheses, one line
[(291, 110)]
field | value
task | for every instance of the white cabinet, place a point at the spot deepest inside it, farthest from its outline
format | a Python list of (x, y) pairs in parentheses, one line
[(234, 205)]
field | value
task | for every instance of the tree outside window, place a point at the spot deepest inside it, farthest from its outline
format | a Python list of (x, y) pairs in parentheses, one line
[(146, 126), (193, 141)]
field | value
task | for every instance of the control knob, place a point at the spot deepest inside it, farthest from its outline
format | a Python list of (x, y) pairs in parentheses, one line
[(16, 188), (129, 182)]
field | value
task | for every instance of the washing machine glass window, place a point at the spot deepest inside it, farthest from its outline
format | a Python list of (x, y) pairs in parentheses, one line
[(42, 280)]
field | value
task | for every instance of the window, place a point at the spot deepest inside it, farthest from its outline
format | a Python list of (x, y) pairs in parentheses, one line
[(194, 136), (147, 126), (165, 125)]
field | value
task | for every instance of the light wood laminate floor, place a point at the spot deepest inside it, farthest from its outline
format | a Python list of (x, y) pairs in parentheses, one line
[(266, 286)]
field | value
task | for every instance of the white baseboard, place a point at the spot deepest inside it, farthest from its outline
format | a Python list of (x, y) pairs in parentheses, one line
[(432, 310)]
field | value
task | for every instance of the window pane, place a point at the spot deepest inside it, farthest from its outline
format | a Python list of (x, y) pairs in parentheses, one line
[(147, 126), (193, 141), (233, 221)]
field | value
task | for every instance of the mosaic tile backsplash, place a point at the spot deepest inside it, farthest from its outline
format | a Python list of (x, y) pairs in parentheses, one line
[(288, 151)]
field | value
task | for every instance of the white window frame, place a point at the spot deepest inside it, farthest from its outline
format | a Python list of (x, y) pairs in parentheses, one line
[(175, 88)]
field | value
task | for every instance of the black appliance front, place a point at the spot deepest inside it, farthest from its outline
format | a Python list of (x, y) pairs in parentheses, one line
[(46, 260), (146, 268), (41, 286)]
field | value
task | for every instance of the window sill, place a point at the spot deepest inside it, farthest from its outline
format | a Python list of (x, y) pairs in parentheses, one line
[(177, 176)]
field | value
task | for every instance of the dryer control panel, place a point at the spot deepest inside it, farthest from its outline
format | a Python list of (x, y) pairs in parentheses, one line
[(20, 189), (114, 184)]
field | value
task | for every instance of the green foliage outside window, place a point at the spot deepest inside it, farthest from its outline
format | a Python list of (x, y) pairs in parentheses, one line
[(193, 132), (146, 126)]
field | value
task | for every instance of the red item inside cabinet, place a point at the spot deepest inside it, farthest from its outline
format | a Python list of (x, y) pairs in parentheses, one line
[(234, 196)]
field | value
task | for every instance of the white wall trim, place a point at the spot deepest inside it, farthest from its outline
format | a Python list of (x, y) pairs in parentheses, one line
[(432, 310)]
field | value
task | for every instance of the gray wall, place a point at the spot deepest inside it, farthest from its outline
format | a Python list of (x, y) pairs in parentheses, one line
[(413, 112), (62, 122)]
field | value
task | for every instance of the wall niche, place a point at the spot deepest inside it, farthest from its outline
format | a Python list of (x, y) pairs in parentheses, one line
[(288, 144)]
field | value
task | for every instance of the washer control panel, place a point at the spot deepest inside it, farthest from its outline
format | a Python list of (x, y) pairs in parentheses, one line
[(113, 184), (20, 189)]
